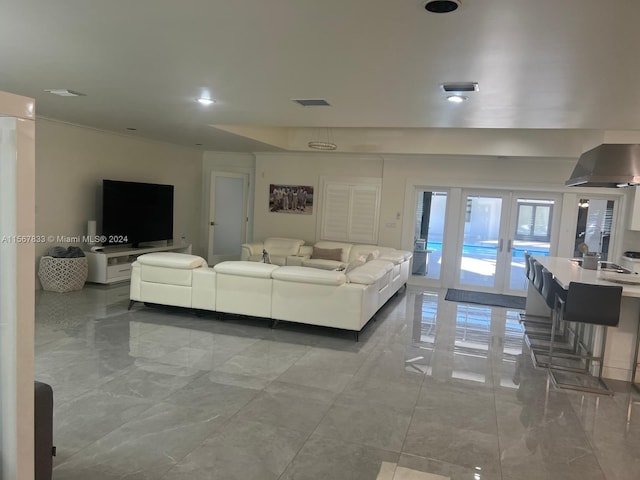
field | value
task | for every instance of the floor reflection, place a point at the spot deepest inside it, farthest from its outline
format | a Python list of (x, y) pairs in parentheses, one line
[(469, 347)]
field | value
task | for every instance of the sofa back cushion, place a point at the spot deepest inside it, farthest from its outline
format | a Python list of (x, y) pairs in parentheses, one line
[(245, 269), (345, 247), (282, 246), (172, 260), (370, 273)]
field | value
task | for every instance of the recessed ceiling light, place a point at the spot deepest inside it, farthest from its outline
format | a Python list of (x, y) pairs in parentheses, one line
[(63, 92), (442, 6), (457, 98), (205, 101)]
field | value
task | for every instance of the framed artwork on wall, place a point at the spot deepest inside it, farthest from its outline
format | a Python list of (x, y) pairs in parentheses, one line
[(292, 199)]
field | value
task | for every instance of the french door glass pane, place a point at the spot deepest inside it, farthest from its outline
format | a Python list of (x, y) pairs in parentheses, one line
[(533, 235), (481, 241), (429, 232), (594, 226), (227, 235)]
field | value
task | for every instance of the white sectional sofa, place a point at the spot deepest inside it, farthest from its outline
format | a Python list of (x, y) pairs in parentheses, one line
[(345, 299)]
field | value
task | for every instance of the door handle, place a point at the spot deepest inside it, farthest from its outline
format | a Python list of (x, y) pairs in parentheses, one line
[(509, 245), (212, 223), (500, 243)]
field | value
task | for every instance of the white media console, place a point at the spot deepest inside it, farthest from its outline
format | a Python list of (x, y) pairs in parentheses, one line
[(113, 264)]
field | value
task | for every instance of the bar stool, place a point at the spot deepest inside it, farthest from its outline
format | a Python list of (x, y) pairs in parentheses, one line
[(536, 278), (588, 306), (537, 281), (539, 332), (527, 265)]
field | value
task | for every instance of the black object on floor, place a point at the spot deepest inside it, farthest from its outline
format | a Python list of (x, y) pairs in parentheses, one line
[(493, 299), (43, 422)]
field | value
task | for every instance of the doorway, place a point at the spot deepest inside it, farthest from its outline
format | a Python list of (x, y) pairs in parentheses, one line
[(496, 229), (431, 208), (228, 197)]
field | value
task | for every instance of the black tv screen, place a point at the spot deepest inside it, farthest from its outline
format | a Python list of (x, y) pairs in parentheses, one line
[(133, 213)]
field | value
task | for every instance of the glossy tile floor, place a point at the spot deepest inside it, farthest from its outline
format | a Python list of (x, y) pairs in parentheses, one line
[(433, 390)]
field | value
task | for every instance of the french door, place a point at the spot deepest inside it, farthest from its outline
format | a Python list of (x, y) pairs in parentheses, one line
[(496, 229)]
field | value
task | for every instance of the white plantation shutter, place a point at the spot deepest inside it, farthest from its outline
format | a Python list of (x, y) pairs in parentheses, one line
[(350, 212), (335, 223), (363, 225)]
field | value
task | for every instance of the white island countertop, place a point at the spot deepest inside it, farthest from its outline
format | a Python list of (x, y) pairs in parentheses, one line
[(566, 270)]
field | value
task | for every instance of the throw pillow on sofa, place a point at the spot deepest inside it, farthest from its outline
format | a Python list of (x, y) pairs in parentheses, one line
[(327, 254)]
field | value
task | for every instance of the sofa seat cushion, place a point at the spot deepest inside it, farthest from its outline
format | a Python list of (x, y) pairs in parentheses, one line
[(321, 263), (309, 275), (246, 269), (172, 260), (370, 272), (282, 247)]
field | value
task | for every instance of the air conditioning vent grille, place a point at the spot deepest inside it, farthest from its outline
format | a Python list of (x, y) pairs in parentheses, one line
[(457, 87), (312, 102)]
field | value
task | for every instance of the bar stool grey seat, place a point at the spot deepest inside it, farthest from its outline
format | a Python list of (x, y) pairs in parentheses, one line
[(588, 306)]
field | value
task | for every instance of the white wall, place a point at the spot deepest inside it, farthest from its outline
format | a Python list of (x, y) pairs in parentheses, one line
[(301, 169), (72, 161), (401, 173)]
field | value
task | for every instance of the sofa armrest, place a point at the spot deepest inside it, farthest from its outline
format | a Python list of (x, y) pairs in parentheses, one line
[(250, 249)]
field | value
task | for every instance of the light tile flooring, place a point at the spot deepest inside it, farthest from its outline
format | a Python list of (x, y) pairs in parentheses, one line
[(433, 390)]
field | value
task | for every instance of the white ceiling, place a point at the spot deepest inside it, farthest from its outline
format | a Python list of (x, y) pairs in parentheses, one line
[(543, 64)]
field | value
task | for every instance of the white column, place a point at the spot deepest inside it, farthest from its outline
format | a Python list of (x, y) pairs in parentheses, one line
[(17, 285)]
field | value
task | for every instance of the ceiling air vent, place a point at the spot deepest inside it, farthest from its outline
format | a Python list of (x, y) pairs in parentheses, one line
[(312, 102), (459, 87)]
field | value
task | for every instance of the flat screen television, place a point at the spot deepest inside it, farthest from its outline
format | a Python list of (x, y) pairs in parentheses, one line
[(133, 213)]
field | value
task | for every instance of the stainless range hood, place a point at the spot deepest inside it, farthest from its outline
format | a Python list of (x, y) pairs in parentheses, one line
[(609, 165)]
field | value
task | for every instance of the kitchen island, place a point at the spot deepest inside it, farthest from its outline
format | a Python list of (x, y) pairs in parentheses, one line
[(621, 340)]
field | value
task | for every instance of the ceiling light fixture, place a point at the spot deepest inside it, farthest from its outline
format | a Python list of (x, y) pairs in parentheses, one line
[(64, 92), (322, 140), (457, 98), (205, 101), (442, 6)]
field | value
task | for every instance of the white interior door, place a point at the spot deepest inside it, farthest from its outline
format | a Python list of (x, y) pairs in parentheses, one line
[(227, 227)]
